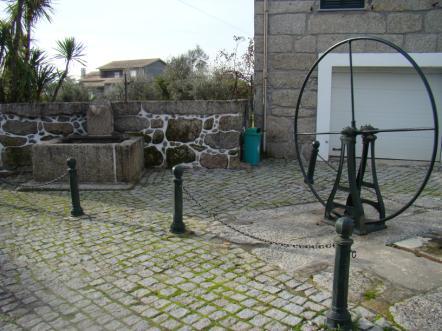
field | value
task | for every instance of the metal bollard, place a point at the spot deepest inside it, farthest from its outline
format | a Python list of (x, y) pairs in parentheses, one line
[(178, 225), (312, 163), (75, 192), (339, 316)]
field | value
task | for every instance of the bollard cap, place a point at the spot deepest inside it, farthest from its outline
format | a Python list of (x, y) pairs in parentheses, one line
[(71, 162), (178, 170), (344, 226), (316, 144)]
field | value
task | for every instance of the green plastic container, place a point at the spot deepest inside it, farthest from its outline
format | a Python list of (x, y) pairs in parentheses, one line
[(252, 146)]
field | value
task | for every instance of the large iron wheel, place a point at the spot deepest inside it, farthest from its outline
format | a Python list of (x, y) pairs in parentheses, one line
[(298, 135)]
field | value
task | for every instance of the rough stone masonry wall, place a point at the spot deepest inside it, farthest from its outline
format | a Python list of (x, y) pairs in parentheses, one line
[(298, 31), (199, 133), (22, 125)]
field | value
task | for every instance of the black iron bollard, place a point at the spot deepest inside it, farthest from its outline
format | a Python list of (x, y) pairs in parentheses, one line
[(312, 163), (178, 225), (75, 192), (339, 316)]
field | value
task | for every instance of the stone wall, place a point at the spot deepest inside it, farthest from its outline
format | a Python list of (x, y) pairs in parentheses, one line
[(205, 133), (199, 133), (22, 125), (298, 31)]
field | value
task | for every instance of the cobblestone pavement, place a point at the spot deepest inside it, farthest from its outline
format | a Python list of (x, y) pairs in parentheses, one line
[(119, 268)]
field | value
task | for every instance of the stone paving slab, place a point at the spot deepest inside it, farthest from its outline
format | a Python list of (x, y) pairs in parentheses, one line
[(119, 268), (413, 313)]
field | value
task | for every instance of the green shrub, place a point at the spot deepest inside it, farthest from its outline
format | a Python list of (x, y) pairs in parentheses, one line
[(70, 91)]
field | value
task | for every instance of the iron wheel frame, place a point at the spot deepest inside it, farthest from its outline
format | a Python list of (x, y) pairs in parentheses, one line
[(435, 128)]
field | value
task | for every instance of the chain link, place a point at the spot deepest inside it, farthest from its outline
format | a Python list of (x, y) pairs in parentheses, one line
[(43, 184), (19, 186), (215, 217), (29, 204), (13, 184), (9, 183), (327, 162)]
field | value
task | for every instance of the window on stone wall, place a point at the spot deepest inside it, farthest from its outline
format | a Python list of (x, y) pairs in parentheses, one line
[(341, 4)]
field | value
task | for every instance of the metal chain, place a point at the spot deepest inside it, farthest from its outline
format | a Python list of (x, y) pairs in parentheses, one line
[(43, 184), (154, 177), (29, 204), (21, 185), (252, 236), (9, 183), (327, 162), (14, 184)]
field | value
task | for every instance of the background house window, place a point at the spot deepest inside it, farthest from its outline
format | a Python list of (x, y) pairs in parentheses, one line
[(133, 73), (342, 4), (116, 74)]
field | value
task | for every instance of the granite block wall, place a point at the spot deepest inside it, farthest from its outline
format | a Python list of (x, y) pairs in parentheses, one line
[(198, 133), (22, 125), (298, 31)]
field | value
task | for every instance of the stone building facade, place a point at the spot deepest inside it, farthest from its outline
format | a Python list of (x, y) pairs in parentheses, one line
[(197, 133), (298, 31)]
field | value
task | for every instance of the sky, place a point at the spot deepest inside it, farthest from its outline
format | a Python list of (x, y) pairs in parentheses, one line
[(134, 29)]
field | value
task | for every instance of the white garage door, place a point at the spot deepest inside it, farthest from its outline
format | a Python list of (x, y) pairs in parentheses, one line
[(387, 98)]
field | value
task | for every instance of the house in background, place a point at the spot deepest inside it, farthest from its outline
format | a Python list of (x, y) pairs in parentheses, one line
[(113, 73), (291, 35)]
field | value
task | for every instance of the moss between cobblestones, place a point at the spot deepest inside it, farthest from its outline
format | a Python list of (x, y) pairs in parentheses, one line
[(6, 318), (389, 317), (370, 294), (101, 259)]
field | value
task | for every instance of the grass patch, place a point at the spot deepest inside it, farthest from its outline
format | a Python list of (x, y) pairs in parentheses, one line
[(370, 294)]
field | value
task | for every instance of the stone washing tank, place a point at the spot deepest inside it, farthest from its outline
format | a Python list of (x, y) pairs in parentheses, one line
[(103, 157)]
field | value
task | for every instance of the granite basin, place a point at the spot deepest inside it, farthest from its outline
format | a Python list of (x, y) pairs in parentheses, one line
[(103, 159)]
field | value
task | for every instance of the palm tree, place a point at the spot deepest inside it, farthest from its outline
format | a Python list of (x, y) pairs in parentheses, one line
[(15, 48), (16, 16), (71, 51), (33, 11), (16, 11), (42, 73), (5, 40)]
